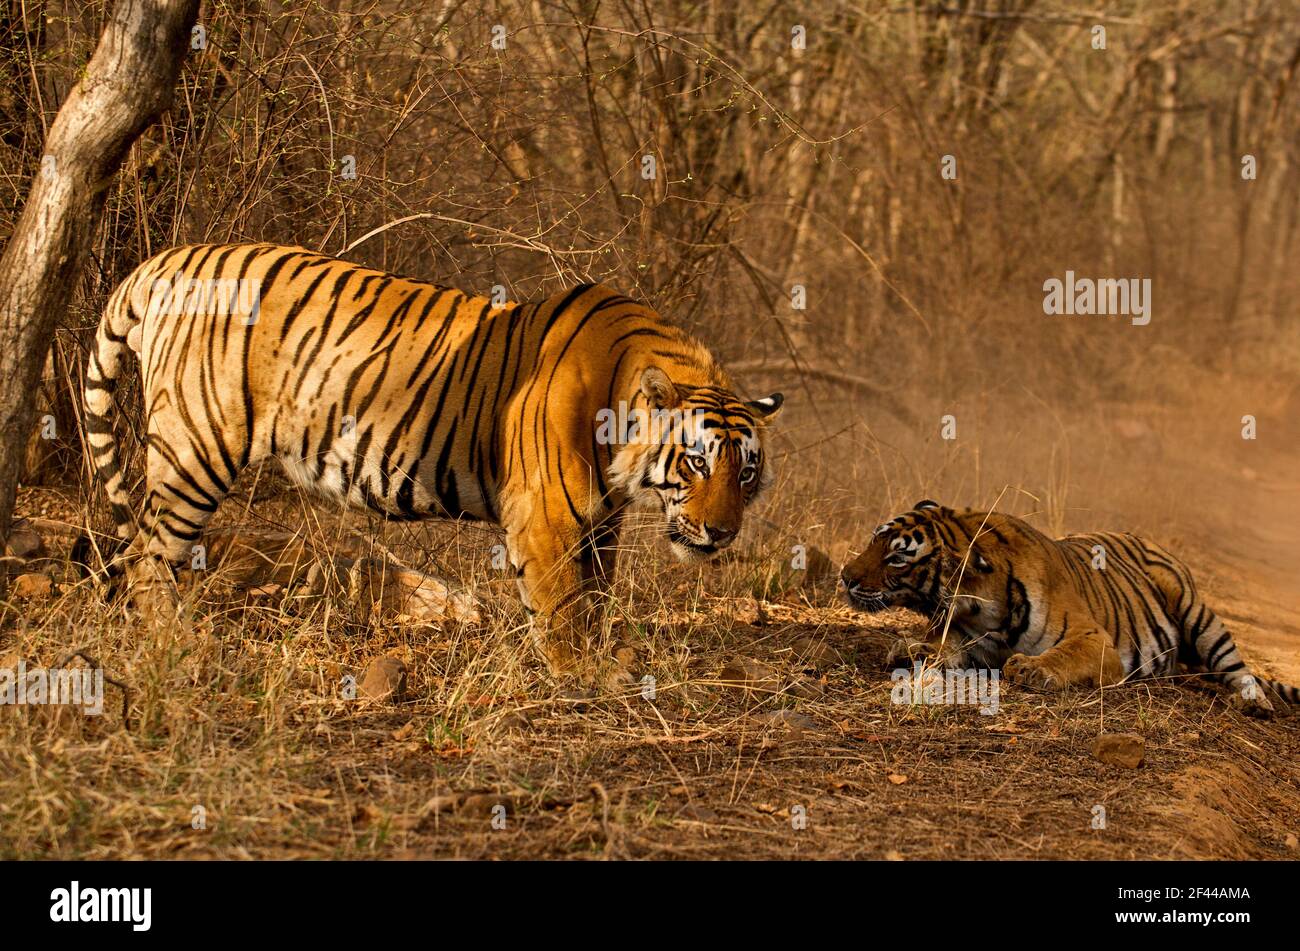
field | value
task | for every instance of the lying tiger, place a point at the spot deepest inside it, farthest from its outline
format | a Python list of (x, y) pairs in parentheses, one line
[(1081, 610)]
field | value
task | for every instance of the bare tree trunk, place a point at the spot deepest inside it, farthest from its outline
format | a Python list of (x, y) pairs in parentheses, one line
[(128, 83)]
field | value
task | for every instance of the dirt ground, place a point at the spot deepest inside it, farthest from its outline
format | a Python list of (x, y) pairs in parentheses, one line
[(242, 744)]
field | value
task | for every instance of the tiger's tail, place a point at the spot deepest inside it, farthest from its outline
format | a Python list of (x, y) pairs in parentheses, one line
[(103, 368), (1288, 693)]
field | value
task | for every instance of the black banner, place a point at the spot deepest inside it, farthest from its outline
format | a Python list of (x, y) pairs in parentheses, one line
[(340, 900)]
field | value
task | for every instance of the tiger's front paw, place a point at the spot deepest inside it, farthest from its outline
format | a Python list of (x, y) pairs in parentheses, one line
[(1035, 672), (151, 591), (616, 671), (907, 651)]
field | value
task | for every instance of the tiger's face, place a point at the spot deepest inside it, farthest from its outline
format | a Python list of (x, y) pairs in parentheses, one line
[(908, 564), (706, 462)]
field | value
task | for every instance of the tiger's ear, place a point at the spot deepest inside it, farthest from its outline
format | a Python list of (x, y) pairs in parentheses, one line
[(767, 407), (927, 504), (974, 559), (658, 389)]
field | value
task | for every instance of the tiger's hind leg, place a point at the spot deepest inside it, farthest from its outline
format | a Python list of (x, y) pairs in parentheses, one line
[(1212, 647), (183, 492), (1204, 641), (1083, 658)]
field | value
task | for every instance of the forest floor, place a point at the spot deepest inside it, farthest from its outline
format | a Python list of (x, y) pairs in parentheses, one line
[(243, 742), (243, 718)]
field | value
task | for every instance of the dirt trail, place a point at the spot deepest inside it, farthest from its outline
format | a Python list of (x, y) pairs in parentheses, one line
[(1258, 588)]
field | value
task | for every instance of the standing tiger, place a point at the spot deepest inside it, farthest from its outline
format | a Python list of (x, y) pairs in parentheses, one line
[(1083, 609), (420, 401)]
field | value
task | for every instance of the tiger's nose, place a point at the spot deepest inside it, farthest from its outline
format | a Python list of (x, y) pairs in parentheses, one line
[(719, 536)]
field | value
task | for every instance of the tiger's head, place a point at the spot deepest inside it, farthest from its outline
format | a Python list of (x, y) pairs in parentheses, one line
[(913, 561), (702, 456)]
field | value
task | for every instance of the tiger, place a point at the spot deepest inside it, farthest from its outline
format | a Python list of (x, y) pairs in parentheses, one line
[(1083, 610), (417, 401)]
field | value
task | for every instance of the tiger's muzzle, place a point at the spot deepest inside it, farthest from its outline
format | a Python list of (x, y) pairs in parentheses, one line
[(864, 599), (698, 544)]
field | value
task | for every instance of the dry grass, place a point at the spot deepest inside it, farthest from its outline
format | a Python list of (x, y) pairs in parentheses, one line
[(243, 716), (241, 711)]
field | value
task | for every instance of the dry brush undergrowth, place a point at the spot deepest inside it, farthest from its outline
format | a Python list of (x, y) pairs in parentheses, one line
[(770, 698)]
